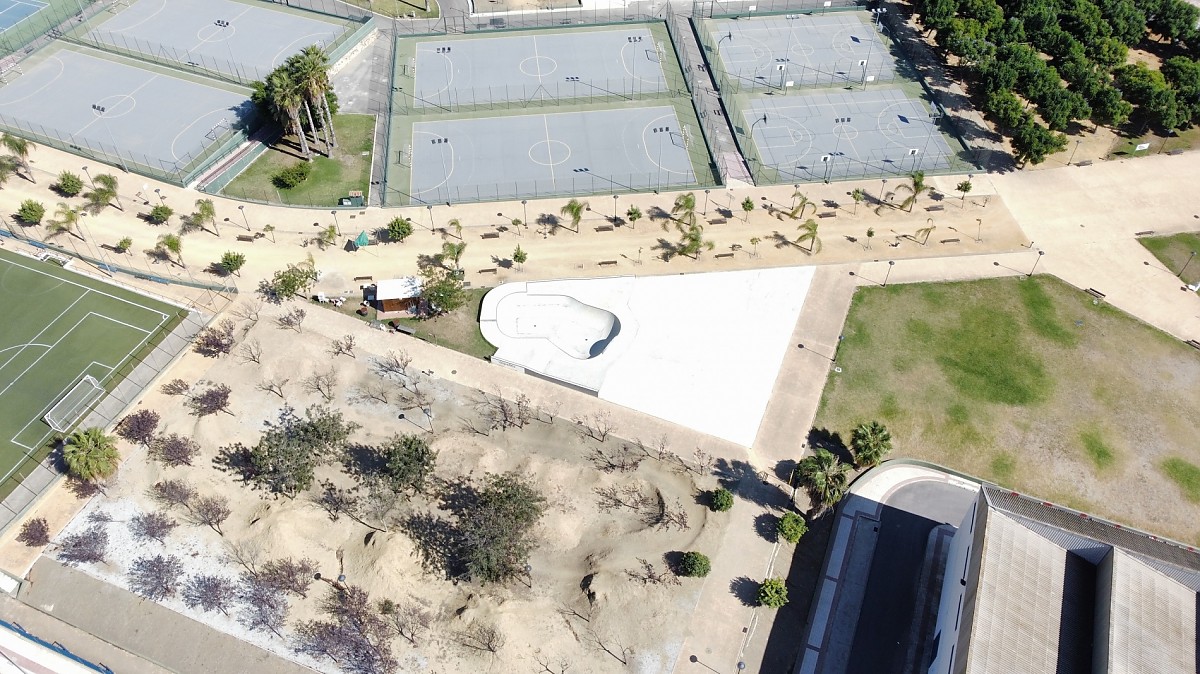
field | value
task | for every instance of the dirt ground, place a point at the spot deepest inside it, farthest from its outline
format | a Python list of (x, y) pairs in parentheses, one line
[(580, 548)]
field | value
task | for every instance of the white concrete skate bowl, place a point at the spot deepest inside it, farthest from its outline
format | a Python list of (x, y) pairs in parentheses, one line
[(579, 330)]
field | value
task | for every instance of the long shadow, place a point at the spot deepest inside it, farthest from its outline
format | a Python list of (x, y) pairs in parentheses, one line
[(831, 441), (765, 525), (746, 591), (803, 577), (747, 484)]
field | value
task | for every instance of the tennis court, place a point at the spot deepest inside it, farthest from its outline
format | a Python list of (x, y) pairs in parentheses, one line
[(60, 327), (585, 152), (126, 113), (821, 136), (774, 53), (219, 35), (13, 12), (538, 66)]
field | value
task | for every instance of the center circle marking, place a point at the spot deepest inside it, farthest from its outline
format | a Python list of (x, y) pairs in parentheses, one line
[(549, 152), (116, 105), (538, 66)]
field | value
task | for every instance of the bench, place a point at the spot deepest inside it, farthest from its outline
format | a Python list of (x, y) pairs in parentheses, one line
[(722, 256), (1095, 293), (717, 221), (607, 263), (1084, 163), (949, 240), (1175, 153), (246, 237), (1147, 232), (363, 278), (400, 327), (489, 270), (490, 235), (1193, 343), (826, 215), (604, 228), (939, 207)]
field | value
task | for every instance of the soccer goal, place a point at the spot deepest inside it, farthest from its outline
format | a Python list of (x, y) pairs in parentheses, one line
[(67, 411)]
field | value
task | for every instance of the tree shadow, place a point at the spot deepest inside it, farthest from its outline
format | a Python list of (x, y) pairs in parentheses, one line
[(749, 485), (457, 496), (831, 441), (781, 240), (674, 560), (549, 223), (785, 469), (502, 262), (745, 589), (803, 576), (766, 525), (360, 460), (235, 460), (654, 213), (437, 543), (669, 249)]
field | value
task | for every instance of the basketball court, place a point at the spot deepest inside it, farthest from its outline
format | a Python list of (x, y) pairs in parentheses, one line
[(538, 66), (774, 53), (584, 152), (13, 12), (821, 136), (223, 35), (150, 117)]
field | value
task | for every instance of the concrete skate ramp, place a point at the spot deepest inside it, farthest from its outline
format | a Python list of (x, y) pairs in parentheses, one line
[(579, 330)]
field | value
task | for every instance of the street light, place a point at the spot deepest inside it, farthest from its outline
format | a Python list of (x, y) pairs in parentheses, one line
[(525, 211), (161, 199), (430, 210), (89, 175), (1074, 150), (614, 208), (242, 208), (1039, 259), (705, 202), (1185, 264), (882, 189), (336, 226), (891, 263), (978, 230)]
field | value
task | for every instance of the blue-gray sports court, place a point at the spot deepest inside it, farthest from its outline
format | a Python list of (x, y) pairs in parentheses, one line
[(778, 52), (824, 135), (540, 66), (582, 152), (245, 39), (90, 100), (13, 12)]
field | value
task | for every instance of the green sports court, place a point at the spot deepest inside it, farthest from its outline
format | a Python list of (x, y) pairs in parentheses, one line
[(60, 328)]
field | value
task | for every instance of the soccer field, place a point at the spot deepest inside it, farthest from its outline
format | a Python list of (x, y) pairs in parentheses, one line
[(58, 328)]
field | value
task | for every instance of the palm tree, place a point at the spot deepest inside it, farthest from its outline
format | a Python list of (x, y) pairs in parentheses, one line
[(823, 477), (8, 166), (802, 202), (633, 215), (870, 235), (964, 187), (859, 196), (808, 234), (692, 241), (66, 219), (574, 209), (684, 209), (170, 246), (109, 182), (870, 442), (20, 149), (284, 96), (457, 227), (453, 252), (270, 229), (914, 190), (924, 232), (90, 454), (310, 68), (754, 241), (747, 207), (206, 211)]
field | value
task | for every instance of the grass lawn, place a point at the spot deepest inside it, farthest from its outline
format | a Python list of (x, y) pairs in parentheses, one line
[(458, 330), (1028, 384), (1174, 252), (1180, 140), (400, 8), (332, 177)]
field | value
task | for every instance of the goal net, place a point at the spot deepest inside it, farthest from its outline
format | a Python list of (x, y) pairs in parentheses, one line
[(67, 411)]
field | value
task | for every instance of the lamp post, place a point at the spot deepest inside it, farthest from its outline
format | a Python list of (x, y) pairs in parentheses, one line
[(89, 177), (882, 189), (1185, 264), (242, 208), (615, 208), (161, 199), (1076, 149), (525, 212), (978, 230), (1039, 259), (337, 227), (891, 263), (431, 227), (705, 203)]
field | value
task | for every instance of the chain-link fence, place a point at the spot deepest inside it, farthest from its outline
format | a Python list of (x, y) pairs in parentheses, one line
[(576, 185), (515, 97)]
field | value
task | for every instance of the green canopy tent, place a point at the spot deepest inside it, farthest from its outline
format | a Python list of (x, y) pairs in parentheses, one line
[(362, 240)]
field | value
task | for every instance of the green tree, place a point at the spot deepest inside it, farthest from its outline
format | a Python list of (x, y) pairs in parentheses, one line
[(310, 68), (408, 463), (442, 289), (802, 203), (456, 225), (633, 215), (90, 454), (31, 212), (963, 187), (124, 245), (326, 237), (498, 528), (684, 209), (694, 564), (20, 148), (1006, 109), (720, 500), (170, 246), (66, 220), (98, 199), (270, 229), (1149, 91), (1173, 19), (231, 262), (160, 214), (295, 279), (747, 208), (1033, 142), (453, 252), (284, 97), (808, 234), (574, 209), (791, 527), (205, 214), (859, 196), (772, 593), (870, 235), (68, 184), (1183, 75), (284, 458), (691, 240), (924, 233), (108, 183), (870, 443), (754, 241), (519, 256), (915, 188), (399, 229), (823, 477)]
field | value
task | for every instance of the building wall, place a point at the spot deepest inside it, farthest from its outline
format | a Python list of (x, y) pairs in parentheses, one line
[(950, 621)]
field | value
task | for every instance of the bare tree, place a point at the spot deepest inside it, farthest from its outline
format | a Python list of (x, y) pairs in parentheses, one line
[(152, 526), (211, 511), (174, 449), (251, 351), (596, 426), (503, 414), (215, 340), (393, 365), (408, 619), (613, 646), (546, 668), (354, 634), (482, 636), (322, 383), (248, 310), (373, 391), (99, 517), (343, 346), (139, 426), (338, 502), (274, 385), (288, 575), (245, 554), (87, 546), (176, 387), (294, 319), (263, 607), (571, 612), (211, 400), (155, 577), (35, 533), (210, 593), (621, 459), (173, 493), (649, 574)]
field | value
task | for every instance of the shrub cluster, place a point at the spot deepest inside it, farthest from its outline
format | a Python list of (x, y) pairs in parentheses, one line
[(292, 176)]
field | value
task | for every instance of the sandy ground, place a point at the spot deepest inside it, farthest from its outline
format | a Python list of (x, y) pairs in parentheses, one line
[(576, 539)]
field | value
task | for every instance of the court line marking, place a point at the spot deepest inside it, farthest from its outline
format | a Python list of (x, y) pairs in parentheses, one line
[(549, 155), (44, 329), (153, 14), (46, 84), (325, 36), (141, 86), (204, 41), (19, 346), (646, 145), (83, 287), (55, 400), (448, 173), (662, 79), (189, 126)]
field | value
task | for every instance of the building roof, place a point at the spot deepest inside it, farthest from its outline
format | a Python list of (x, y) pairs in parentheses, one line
[(397, 288), (1152, 627)]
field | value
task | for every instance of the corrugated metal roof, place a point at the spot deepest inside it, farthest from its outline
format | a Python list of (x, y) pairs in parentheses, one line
[(1152, 625)]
